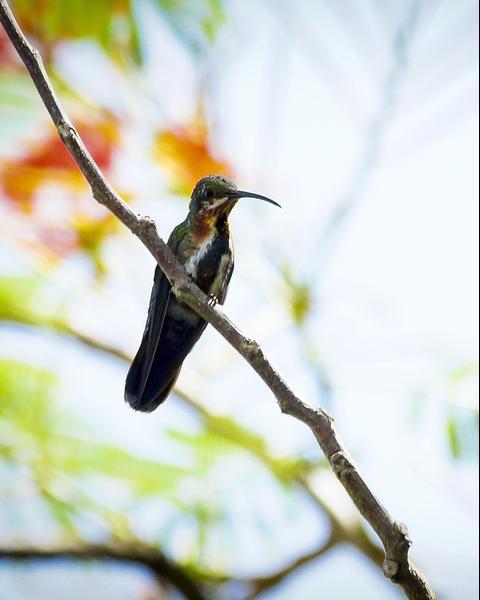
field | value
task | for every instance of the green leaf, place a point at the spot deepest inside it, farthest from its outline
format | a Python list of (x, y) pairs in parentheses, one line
[(299, 296), (222, 435), (46, 439), (109, 24), (213, 20), (85, 457), (31, 301), (196, 23), (25, 396), (462, 433), (464, 371), (114, 25), (453, 436)]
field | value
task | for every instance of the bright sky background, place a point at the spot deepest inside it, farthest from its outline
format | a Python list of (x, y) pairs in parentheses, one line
[(299, 99)]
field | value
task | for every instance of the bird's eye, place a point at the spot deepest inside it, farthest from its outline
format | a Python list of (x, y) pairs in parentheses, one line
[(209, 193)]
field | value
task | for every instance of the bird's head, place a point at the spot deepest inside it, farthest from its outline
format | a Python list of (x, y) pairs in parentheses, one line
[(215, 194)]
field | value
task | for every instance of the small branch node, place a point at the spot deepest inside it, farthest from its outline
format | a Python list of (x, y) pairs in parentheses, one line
[(98, 192), (403, 529), (147, 223), (66, 131), (404, 540), (252, 350), (341, 464), (144, 226), (321, 413), (390, 568)]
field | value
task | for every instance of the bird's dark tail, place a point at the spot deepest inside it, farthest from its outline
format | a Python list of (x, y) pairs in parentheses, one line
[(154, 393), (171, 331)]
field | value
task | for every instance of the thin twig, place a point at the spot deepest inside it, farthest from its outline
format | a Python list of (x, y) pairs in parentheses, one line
[(158, 563), (397, 565), (164, 569), (261, 584)]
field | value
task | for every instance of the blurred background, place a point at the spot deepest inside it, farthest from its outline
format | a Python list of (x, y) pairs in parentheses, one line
[(361, 119)]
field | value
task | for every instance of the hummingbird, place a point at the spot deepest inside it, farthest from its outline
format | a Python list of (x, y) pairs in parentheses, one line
[(203, 245)]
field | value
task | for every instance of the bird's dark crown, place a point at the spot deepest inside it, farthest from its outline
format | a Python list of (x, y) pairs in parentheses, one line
[(209, 189), (215, 195)]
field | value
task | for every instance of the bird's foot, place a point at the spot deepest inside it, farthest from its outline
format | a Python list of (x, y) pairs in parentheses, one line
[(212, 300)]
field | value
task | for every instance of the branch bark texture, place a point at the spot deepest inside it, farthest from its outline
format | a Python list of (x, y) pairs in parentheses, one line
[(397, 565)]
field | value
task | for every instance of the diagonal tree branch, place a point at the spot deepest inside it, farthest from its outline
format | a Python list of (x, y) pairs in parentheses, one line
[(162, 568), (193, 585), (397, 565)]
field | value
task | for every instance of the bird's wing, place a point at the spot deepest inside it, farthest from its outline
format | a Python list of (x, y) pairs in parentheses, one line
[(142, 363), (222, 294), (140, 368)]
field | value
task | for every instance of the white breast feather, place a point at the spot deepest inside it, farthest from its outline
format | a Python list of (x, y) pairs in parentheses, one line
[(192, 262)]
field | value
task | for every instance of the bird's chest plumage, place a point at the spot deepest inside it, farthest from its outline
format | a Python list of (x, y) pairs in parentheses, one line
[(210, 262)]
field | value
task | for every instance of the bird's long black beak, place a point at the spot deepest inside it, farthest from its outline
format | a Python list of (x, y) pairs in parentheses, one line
[(239, 194)]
